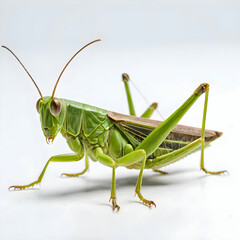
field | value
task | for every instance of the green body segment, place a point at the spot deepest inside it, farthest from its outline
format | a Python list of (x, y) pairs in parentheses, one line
[(87, 128), (86, 125)]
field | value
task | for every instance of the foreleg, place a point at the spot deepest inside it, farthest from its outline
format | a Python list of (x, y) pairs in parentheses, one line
[(58, 158)]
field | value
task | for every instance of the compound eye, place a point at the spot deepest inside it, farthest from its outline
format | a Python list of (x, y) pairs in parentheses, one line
[(37, 105), (55, 107)]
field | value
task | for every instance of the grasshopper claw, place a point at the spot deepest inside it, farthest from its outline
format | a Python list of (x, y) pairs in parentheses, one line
[(76, 174), (215, 173), (222, 172), (116, 207), (23, 187), (145, 201), (68, 175), (16, 188), (160, 171), (149, 203), (72, 174), (114, 204)]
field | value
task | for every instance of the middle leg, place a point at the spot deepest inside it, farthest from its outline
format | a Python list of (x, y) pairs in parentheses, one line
[(126, 160), (113, 191), (81, 173), (131, 158)]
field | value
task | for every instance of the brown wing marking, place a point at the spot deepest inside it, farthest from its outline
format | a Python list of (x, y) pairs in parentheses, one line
[(143, 126)]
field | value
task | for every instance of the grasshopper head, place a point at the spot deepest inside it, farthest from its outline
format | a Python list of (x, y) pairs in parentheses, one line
[(52, 112)]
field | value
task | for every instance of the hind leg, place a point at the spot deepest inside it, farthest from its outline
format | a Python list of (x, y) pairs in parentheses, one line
[(148, 112), (126, 160)]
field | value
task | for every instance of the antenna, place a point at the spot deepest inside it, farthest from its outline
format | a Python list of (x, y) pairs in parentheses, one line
[(24, 69), (69, 62)]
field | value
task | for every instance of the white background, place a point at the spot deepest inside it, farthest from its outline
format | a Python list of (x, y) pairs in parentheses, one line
[(168, 48)]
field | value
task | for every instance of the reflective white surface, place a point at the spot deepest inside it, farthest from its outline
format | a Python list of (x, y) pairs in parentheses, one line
[(168, 48)]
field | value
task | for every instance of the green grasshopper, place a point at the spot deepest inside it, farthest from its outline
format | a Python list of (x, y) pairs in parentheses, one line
[(115, 139)]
